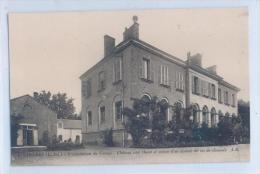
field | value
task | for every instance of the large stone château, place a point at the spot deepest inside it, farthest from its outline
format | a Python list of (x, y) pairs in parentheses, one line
[(136, 69)]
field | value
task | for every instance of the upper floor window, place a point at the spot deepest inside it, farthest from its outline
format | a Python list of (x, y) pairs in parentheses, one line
[(204, 88), (179, 77), (233, 99), (146, 68), (164, 75), (86, 88), (102, 112), (213, 91), (117, 69), (101, 81), (195, 85), (226, 100), (89, 120), (219, 95), (118, 110), (146, 72)]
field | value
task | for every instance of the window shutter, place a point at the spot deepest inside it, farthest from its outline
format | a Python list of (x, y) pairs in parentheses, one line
[(167, 77), (114, 72), (141, 69), (160, 75), (120, 68), (192, 84), (182, 81), (199, 85), (176, 80), (151, 71)]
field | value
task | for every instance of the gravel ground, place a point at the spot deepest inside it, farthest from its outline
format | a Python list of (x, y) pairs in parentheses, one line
[(98, 155)]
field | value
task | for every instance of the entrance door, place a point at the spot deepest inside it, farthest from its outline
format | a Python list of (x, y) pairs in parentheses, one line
[(27, 136), (30, 137)]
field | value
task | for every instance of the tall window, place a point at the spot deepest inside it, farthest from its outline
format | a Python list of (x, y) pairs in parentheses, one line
[(204, 88), (195, 85), (102, 111), (146, 68), (86, 88), (233, 99), (219, 95), (179, 80), (226, 98), (118, 69), (118, 110), (164, 75), (89, 118), (101, 80), (205, 115), (213, 91)]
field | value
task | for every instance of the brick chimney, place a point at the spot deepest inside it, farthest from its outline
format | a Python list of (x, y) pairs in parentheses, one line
[(133, 31), (109, 45), (212, 69), (195, 59)]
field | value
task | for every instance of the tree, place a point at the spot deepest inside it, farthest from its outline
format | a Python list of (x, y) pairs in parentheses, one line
[(108, 137), (58, 103), (225, 131), (136, 124), (244, 115), (147, 119), (14, 128)]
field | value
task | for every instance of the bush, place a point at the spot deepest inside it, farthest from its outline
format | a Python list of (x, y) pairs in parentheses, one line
[(64, 146), (108, 137)]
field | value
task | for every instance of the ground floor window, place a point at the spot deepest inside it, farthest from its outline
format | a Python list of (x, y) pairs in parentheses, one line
[(102, 111), (205, 115), (118, 110)]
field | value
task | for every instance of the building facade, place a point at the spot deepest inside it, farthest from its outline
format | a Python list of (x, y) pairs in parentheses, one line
[(37, 121), (69, 130), (136, 69)]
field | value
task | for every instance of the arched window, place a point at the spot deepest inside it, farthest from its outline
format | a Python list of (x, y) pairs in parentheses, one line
[(213, 117), (102, 113), (178, 111), (164, 108), (227, 114), (220, 115), (205, 113), (195, 113), (146, 99), (118, 107)]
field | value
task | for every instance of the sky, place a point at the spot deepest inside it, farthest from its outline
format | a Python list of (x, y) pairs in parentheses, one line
[(49, 51)]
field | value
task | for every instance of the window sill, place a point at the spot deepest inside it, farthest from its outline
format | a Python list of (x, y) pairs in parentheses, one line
[(147, 80), (179, 90), (117, 82), (165, 86), (195, 93), (100, 90)]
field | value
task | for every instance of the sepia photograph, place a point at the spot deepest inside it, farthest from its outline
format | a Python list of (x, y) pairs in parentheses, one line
[(159, 86)]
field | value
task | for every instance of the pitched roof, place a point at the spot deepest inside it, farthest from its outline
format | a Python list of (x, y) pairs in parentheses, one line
[(141, 44), (71, 124), (28, 98)]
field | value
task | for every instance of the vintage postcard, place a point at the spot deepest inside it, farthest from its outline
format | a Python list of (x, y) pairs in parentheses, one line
[(129, 87)]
